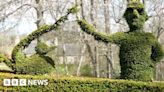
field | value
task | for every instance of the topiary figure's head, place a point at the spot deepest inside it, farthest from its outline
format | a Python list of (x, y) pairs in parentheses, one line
[(135, 15), (42, 48)]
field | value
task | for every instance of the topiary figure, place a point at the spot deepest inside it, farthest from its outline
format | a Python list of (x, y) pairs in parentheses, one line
[(139, 51), (38, 63)]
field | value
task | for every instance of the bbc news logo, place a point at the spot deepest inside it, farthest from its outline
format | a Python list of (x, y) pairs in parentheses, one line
[(24, 82)]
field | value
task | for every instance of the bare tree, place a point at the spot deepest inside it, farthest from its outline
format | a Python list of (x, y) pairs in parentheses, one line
[(82, 58), (93, 48), (109, 47), (156, 17)]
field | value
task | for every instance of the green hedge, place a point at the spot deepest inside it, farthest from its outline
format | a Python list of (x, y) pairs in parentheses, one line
[(81, 84)]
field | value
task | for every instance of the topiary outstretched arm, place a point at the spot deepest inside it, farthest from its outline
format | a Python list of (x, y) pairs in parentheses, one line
[(157, 52), (40, 31), (88, 28)]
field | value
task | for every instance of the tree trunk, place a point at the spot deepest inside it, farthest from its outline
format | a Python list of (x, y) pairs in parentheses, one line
[(94, 54), (65, 60), (81, 60), (110, 64), (90, 48), (82, 9), (39, 12)]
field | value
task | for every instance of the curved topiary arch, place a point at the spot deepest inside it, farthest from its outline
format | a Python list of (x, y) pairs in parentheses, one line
[(22, 64), (139, 51)]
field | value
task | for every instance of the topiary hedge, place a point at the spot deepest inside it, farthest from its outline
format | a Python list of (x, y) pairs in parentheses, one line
[(80, 84)]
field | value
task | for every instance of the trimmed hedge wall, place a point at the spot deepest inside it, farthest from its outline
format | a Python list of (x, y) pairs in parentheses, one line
[(80, 84)]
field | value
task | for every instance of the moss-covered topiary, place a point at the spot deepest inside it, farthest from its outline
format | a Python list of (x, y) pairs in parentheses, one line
[(40, 31), (139, 51), (38, 63), (135, 15)]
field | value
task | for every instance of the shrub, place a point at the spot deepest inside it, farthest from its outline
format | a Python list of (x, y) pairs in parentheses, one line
[(35, 64), (80, 84)]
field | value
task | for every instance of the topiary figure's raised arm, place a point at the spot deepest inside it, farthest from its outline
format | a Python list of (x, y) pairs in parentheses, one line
[(89, 29), (40, 31)]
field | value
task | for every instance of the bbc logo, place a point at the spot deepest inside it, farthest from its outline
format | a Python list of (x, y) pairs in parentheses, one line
[(14, 82)]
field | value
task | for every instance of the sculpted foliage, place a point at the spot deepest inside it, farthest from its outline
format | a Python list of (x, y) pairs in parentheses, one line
[(38, 63), (139, 51)]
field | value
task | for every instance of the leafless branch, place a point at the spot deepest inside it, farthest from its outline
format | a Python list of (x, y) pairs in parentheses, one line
[(7, 15)]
